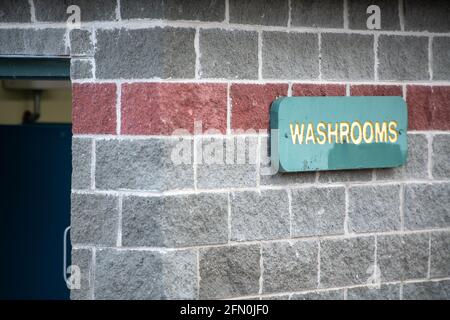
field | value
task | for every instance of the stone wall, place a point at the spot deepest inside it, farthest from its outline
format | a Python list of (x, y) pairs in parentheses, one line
[(144, 227)]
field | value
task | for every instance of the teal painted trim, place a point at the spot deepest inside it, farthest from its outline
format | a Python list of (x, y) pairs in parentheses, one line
[(337, 153), (34, 68)]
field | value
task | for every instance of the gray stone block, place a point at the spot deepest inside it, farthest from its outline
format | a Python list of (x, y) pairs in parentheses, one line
[(441, 58), (81, 163), (251, 298), (384, 292), (56, 10), (440, 255), (175, 221), (230, 54), (374, 208), (12, 41), (357, 16), (441, 156), (81, 69), (416, 165), (137, 275), (226, 162), (277, 297), (82, 258), (287, 178), (15, 11), (94, 219), (202, 10), (319, 295), (50, 42), (427, 290), (81, 42), (259, 215), (155, 52), (289, 266), (229, 271), (345, 175), (318, 211), (260, 12), (347, 56), (403, 58), (140, 164), (345, 262), (403, 257), (423, 15), (427, 206), (144, 9), (290, 55), (267, 177), (317, 13)]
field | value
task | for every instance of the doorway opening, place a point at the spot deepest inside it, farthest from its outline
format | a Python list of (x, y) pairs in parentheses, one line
[(35, 171)]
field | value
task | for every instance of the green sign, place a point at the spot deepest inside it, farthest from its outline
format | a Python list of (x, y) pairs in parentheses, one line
[(334, 133)]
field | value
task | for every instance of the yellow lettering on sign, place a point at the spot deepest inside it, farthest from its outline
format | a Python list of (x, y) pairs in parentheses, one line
[(321, 126), (297, 133), (355, 140), (332, 133), (310, 134), (381, 132), (344, 132), (368, 137), (393, 133)]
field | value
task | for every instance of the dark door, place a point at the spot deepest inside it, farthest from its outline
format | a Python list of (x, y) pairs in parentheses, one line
[(35, 173)]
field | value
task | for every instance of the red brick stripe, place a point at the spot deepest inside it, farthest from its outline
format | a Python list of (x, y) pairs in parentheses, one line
[(161, 108), (308, 90), (428, 107), (251, 104), (376, 90), (94, 108)]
